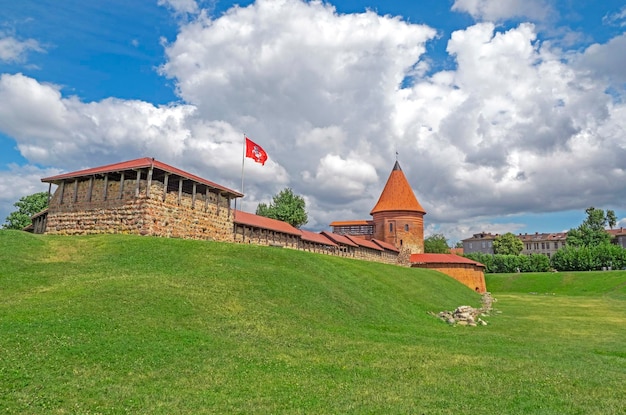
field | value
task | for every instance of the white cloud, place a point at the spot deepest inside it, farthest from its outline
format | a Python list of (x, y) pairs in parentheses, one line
[(180, 7), (517, 127), (13, 50), (499, 10), (51, 129), (347, 179), (290, 73), (607, 60), (616, 19)]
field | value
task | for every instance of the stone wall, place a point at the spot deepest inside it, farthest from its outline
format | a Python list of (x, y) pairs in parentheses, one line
[(88, 209), (201, 218), (369, 254), (259, 236), (316, 247)]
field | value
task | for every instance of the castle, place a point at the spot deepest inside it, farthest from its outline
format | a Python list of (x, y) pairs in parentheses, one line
[(398, 218), (148, 197)]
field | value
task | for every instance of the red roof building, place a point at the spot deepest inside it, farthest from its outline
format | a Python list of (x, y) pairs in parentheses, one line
[(398, 216), (466, 271)]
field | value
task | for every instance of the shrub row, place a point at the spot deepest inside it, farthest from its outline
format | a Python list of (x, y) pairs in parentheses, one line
[(511, 263), (584, 258), (589, 258)]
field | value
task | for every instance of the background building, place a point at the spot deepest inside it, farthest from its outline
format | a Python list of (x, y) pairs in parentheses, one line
[(534, 243)]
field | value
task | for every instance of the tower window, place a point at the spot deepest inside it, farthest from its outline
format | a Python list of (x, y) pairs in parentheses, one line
[(391, 227), (406, 227)]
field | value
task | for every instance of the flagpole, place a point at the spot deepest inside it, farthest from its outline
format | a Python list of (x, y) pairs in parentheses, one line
[(243, 160)]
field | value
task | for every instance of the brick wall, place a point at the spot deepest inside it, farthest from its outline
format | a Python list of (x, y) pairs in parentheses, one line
[(401, 229), (467, 274)]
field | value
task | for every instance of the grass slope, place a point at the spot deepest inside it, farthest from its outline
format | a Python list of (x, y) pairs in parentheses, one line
[(124, 324)]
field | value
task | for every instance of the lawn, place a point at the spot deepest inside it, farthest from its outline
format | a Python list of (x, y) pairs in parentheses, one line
[(124, 324)]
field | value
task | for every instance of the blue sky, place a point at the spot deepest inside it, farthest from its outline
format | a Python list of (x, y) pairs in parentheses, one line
[(507, 115)]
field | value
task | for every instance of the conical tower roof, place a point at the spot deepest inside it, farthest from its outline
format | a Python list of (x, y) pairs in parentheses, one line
[(397, 194)]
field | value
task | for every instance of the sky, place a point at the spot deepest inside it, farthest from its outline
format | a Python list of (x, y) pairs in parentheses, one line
[(505, 115)]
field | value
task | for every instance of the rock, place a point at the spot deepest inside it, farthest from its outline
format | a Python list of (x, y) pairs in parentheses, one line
[(467, 315)]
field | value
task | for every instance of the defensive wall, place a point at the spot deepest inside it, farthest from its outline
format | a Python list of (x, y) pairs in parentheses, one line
[(147, 197)]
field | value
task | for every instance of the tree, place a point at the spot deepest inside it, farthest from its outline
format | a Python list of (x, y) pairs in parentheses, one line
[(592, 231), (459, 244), (285, 206), (507, 244), (27, 206), (436, 244)]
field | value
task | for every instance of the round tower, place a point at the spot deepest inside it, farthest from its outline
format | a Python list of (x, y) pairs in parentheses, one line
[(398, 216)]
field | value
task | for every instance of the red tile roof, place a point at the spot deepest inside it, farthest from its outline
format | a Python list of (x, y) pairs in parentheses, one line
[(617, 232), (250, 219), (339, 239), (352, 223), (397, 194), (385, 245), (139, 164), (441, 259), (316, 237), (364, 243)]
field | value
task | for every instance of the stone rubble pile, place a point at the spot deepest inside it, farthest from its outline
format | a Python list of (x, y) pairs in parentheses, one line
[(469, 316)]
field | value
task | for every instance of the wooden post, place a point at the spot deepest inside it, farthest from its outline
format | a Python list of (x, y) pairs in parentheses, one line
[(218, 196), (62, 191), (106, 187), (228, 201), (75, 190), (49, 192), (121, 186), (180, 190), (193, 195), (90, 189), (137, 181), (165, 182), (150, 171), (206, 198)]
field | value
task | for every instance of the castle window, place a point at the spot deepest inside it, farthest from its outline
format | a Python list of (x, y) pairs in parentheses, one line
[(400, 242), (406, 227), (391, 227)]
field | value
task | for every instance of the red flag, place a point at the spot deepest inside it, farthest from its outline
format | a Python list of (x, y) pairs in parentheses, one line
[(255, 152)]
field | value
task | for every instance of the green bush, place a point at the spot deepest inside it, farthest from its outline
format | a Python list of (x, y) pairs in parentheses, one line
[(511, 263), (585, 258)]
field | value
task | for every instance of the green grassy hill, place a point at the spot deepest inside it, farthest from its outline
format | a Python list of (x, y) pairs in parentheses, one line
[(125, 324)]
